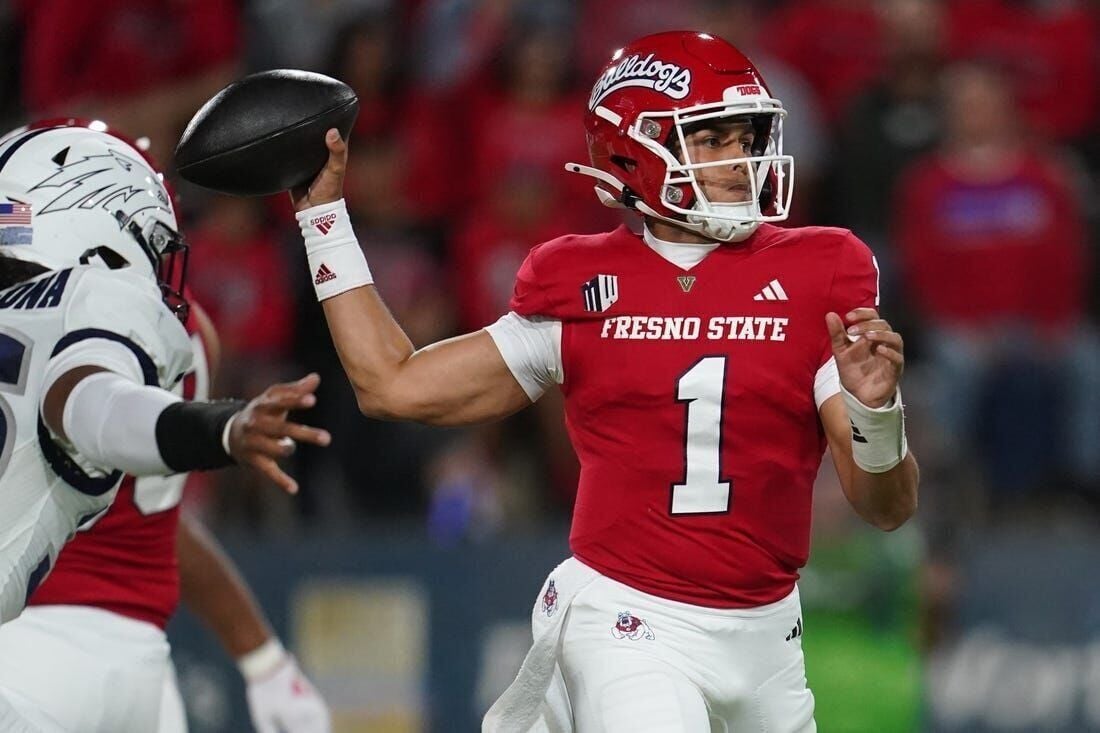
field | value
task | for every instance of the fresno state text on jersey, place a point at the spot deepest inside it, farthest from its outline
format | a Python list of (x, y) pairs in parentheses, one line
[(690, 400)]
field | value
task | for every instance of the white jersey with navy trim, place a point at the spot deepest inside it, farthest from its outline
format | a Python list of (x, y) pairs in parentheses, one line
[(46, 490)]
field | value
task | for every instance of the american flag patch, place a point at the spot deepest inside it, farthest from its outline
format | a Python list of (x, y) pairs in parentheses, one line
[(15, 224), (15, 214), (600, 293)]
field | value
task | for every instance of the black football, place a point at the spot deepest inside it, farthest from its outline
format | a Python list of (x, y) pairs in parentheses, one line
[(265, 133)]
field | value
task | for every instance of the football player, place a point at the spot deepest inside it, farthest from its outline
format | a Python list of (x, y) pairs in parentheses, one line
[(90, 649), (706, 364), (91, 345)]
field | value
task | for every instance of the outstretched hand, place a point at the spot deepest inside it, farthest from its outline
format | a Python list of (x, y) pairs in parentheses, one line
[(328, 185), (869, 355), (260, 434)]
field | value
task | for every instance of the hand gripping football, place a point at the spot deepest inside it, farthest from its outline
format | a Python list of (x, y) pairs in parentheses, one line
[(265, 133)]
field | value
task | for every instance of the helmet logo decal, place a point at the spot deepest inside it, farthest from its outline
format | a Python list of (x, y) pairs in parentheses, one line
[(113, 182), (671, 80)]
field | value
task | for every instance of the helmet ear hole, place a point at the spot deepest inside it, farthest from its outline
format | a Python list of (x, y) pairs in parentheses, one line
[(113, 260), (629, 165)]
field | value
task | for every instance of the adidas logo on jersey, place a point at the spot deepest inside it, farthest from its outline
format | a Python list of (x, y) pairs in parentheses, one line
[(600, 293), (772, 291), (323, 275)]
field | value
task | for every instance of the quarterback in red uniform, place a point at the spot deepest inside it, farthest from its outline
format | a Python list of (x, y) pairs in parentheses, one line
[(706, 364)]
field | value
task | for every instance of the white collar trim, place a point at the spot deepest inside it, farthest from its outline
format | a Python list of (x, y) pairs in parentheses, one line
[(684, 255)]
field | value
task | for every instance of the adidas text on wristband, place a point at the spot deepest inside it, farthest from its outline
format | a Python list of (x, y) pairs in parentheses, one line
[(336, 262)]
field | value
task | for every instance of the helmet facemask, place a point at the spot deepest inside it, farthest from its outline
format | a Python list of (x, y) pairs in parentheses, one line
[(169, 255), (766, 174)]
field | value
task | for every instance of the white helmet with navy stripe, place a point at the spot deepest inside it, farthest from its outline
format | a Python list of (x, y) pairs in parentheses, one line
[(73, 192)]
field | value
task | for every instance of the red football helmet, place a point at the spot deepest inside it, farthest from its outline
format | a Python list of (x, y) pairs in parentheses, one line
[(649, 98)]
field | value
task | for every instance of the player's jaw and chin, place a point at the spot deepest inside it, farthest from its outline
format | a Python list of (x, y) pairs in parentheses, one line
[(723, 182)]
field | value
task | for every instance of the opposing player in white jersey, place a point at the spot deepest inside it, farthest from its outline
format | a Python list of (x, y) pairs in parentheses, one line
[(90, 649), (90, 345)]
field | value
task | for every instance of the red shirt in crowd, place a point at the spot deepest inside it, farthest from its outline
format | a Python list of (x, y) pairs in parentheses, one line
[(245, 283), (835, 46), (487, 253), (1004, 250), (1051, 55), (114, 48)]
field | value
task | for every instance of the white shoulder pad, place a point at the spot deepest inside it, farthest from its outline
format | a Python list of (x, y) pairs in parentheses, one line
[(127, 308)]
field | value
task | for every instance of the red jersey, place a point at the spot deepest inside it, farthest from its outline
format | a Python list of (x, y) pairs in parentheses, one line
[(117, 48), (838, 64), (1047, 49), (1011, 250), (689, 398), (126, 561)]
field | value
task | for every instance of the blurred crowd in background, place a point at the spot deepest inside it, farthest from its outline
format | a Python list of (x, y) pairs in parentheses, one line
[(960, 139)]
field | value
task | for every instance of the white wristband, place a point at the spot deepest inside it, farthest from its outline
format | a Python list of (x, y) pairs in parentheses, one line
[(878, 433), (336, 262), (225, 435), (261, 661)]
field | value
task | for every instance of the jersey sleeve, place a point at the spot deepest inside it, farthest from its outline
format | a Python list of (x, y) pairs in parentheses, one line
[(117, 309), (855, 280), (855, 285), (530, 297), (531, 347)]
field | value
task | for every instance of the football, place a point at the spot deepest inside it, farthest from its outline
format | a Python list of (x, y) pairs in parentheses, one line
[(265, 133)]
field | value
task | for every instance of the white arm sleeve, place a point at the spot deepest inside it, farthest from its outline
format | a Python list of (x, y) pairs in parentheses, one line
[(531, 348), (827, 382), (112, 423), (99, 352)]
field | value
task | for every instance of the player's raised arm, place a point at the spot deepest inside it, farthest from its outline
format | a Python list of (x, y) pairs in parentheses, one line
[(864, 423), (459, 381)]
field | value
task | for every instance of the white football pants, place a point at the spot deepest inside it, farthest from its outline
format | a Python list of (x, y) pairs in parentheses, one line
[(14, 721), (90, 670), (173, 714), (629, 662)]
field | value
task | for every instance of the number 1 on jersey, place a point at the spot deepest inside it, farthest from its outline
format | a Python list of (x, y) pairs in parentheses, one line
[(702, 491)]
